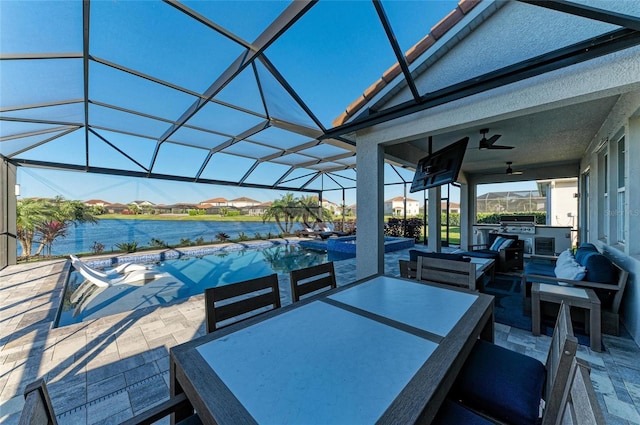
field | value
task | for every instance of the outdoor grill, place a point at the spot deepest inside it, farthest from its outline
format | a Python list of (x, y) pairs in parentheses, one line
[(519, 224)]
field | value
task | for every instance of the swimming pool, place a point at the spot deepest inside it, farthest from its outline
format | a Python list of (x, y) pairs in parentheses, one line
[(182, 278)]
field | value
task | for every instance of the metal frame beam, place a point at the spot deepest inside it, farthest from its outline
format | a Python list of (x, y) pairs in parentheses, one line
[(588, 49)]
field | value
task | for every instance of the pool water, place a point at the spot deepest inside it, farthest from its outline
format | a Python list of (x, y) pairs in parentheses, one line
[(182, 278)]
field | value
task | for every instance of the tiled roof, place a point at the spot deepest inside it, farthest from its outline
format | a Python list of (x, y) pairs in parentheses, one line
[(214, 201), (244, 199), (399, 198), (438, 30)]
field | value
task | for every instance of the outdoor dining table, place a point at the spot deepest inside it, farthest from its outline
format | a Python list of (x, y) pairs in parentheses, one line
[(379, 350)]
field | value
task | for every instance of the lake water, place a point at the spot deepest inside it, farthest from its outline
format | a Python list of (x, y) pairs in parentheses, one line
[(111, 232)]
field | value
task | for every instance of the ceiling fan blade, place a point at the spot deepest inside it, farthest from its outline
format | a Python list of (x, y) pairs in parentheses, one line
[(500, 147), (493, 139)]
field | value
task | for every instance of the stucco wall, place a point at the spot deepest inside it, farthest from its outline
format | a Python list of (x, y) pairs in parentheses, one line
[(624, 120)]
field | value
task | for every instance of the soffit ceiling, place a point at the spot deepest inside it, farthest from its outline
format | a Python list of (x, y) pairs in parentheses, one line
[(124, 88)]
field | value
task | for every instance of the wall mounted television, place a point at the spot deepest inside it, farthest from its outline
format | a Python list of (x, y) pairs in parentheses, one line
[(440, 167)]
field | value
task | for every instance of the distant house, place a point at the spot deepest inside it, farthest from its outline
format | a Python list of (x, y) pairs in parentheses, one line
[(181, 208), (96, 203), (513, 201), (257, 210), (350, 210), (396, 206), (142, 203), (332, 206), (243, 202), (117, 209), (454, 208), (215, 202)]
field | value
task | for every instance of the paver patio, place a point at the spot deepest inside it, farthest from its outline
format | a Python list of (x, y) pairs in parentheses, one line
[(109, 369)]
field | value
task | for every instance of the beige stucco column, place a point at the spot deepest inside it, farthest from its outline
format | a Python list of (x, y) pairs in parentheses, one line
[(435, 219), (370, 210)]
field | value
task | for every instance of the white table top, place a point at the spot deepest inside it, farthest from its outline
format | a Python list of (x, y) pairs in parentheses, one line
[(429, 308), (356, 355), (280, 359), (564, 290)]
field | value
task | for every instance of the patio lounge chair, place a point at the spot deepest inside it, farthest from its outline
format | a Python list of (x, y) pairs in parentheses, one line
[(120, 269), (93, 278), (506, 250)]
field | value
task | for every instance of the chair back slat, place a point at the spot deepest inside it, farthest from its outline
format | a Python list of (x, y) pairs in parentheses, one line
[(255, 296), (37, 409), (311, 279), (408, 269), (449, 272), (558, 365), (580, 405)]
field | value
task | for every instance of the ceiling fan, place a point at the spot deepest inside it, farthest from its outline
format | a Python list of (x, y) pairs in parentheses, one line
[(510, 171), (489, 143)]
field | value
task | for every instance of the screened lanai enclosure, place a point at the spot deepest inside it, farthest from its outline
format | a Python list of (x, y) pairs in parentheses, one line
[(297, 96)]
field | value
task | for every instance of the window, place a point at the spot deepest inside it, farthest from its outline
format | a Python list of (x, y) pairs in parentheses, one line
[(621, 195), (603, 196)]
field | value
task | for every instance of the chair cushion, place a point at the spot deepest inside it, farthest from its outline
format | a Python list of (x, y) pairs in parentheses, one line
[(599, 268), (454, 414), (584, 249), (501, 243), (415, 253), (502, 383), (540, 268), (483, 253)]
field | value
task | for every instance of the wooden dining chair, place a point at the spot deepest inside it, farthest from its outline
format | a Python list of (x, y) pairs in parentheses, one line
[(508, 385), (449, 272), (408, 269), (240, 300), (38, 409), (579, 404), (311, 279)]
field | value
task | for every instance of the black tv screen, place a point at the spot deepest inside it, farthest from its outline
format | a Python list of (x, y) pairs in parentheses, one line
[(440, 167)]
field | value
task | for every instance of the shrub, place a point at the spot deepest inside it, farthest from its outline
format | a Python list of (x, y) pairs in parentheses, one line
[(157, 243), (185, 242), (242, 237), (128, 246), (97, 248), (258, 235), (222, 237), (200, 241)]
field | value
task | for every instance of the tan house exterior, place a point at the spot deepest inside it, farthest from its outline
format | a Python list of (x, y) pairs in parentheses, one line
[(396, 207)]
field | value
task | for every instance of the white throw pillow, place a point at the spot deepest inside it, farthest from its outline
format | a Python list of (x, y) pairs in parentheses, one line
[(565, 257), (570, 270)]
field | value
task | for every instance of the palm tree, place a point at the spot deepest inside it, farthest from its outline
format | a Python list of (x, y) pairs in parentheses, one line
[(30, 213), (284, 211), (311, 211), (48, 219)]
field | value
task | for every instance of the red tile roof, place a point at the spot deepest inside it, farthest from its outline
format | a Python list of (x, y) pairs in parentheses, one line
[(438, 30)]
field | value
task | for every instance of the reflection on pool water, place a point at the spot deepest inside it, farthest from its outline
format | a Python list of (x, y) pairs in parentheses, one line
[(182, 278)]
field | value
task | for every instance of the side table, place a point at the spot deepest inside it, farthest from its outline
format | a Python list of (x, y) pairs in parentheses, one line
[(577, 297)]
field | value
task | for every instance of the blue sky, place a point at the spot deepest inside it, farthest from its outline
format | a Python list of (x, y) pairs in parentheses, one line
[(325, 69)]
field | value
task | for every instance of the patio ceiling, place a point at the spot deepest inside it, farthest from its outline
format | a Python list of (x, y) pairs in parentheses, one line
[(123, 88)]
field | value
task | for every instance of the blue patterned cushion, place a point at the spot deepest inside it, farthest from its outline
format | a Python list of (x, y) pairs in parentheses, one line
[(502, 383), (500, 243)]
